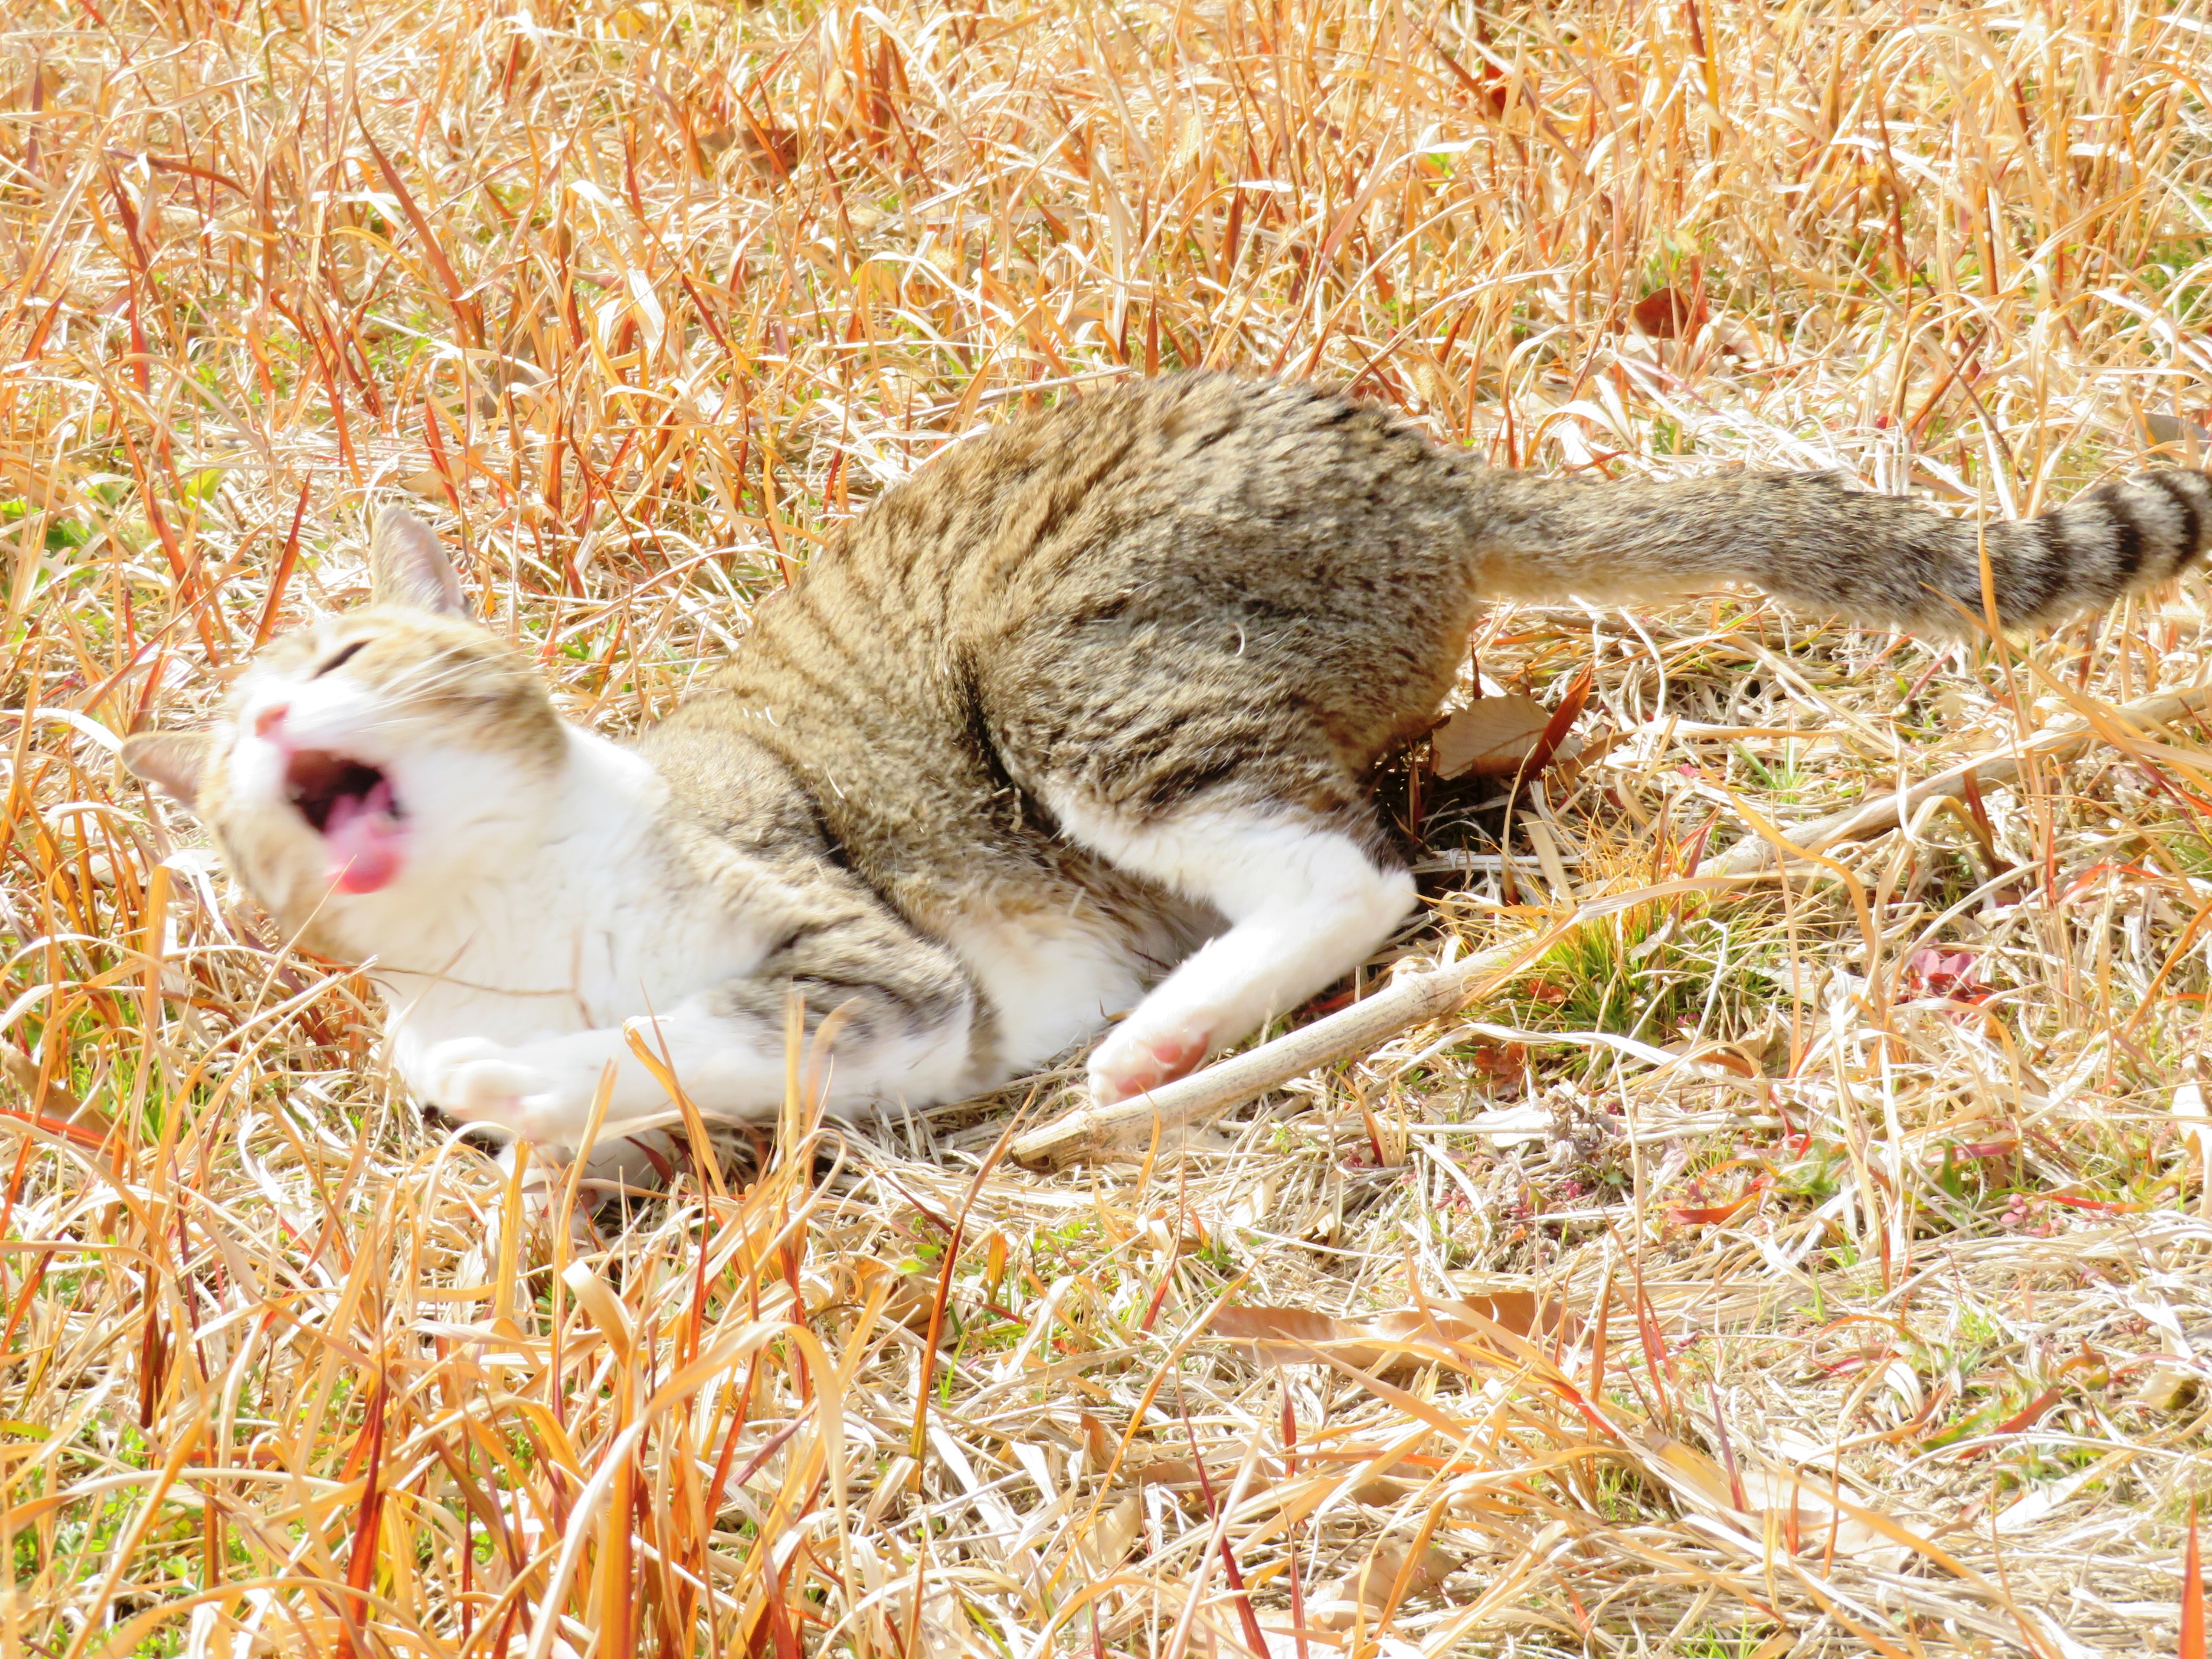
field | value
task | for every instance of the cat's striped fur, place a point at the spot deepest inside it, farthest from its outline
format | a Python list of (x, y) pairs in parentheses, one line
[(1079, 721)]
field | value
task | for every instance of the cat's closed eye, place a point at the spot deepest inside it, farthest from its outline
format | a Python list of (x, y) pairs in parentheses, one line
[(344, 655)]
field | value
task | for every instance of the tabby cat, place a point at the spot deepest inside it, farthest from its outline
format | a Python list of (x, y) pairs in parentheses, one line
[(1076, 725)]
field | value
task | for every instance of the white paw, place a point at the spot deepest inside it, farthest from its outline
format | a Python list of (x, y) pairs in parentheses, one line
[(1138, 1057), (477, 1081)]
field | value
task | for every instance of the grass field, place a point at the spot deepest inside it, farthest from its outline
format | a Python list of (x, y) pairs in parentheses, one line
[(1837, 1243)]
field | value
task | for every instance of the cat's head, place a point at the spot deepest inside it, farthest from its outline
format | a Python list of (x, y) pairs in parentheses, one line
[(374, 764)]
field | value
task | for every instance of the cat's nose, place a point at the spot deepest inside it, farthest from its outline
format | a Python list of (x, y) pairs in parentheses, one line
[(269, 722)]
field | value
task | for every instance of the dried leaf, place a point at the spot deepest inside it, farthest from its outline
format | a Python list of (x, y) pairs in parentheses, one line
[(912, 1301), (1670, 313), (600, 1304), (1148, 1467), (1795, 1509), (770, 150), (1522, 1312), (57, 1108), (1109, 1541), (1499, 1061), (1098, 1444), (1288, 1336), (1490, 738), (1366, 1593), (2193, 1121), (1141, 1466), (2167, 1388)]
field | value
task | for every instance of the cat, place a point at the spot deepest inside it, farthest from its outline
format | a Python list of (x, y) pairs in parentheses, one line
[(1076, 723)]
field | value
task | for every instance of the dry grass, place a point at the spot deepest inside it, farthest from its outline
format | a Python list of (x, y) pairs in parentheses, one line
[(653, 294)]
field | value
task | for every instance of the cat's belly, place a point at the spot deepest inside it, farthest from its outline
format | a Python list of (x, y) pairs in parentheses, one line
[(1052, 979)]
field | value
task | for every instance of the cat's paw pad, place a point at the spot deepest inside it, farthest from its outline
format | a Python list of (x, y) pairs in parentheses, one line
[(476, 1081), (1133, 1062)]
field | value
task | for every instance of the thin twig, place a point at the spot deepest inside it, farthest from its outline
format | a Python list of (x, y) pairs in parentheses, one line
[(1884, 812), (1111, 1131)]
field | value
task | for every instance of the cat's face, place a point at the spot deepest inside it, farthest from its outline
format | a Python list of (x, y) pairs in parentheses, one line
[(374, 764)]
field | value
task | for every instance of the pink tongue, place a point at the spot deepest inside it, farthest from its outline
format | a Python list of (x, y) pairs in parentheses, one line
[(361, 837)]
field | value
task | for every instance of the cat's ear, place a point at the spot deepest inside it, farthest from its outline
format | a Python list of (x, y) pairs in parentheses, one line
[(408, 567), (173, 761)]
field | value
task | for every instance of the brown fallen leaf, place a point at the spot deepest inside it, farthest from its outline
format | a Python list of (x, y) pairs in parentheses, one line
[(1289, 1335), (1114, 1534), (57, 1108), (2167, 1388), (1806, 1519), (1490, 738), (1157, 1466), (770, 150), (1519, 1313), (912, 1301), (1522, 1312), (1670, 313), (1141, 1465), (1385, 1579)]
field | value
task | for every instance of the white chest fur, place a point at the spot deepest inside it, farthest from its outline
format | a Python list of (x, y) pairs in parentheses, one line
[(583, 928)]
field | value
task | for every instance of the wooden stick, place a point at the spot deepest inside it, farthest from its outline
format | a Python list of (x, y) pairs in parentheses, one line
[(1111, 1131), (1884, 812), (1108, 1131)]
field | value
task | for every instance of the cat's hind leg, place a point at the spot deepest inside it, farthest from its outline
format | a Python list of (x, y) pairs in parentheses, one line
[(1307, 899)]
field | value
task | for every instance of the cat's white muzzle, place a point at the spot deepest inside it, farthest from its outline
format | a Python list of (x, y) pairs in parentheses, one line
[(297, 758)]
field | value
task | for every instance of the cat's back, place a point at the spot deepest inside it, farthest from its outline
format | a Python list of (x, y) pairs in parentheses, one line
[(856, 683), (1124, 531), (1162, 498)]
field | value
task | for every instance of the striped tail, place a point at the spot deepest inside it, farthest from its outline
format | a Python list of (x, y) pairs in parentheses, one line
[(2099, 547), (1810, 539)]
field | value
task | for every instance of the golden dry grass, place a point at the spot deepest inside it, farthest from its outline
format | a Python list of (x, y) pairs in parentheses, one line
[(1865, 1192)]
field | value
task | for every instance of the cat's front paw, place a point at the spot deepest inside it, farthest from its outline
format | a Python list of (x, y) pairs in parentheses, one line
[(473, 1080), (1133, 1060)]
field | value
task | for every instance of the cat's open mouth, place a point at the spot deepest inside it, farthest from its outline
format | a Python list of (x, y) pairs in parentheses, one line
[(322, 784), (351, 805)]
